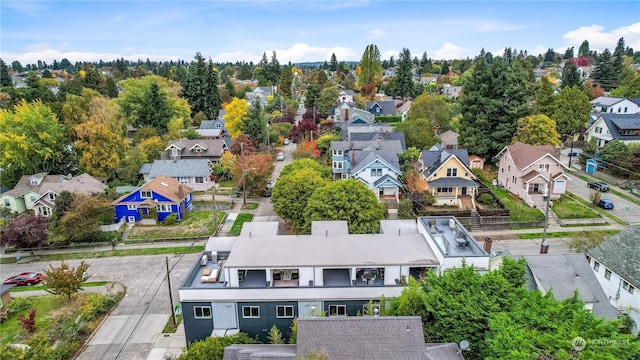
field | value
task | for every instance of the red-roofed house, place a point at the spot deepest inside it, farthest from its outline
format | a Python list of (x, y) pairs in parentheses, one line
[(525, 170)]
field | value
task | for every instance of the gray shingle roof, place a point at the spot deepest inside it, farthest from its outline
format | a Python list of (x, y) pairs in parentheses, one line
[(387, 107), (436, 156), (180, 168), (617, 122), (451, 181), (558, 273), (145, 168), (362, 337), (621, 254)]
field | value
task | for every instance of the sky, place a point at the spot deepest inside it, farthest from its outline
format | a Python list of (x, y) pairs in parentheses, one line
[(305, 30)]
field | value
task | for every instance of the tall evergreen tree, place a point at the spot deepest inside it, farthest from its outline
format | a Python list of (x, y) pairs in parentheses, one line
[(201, 88), (494, 98), (570, 75), (155, 110), (618, 57), (584, 49), (550, 55), (333, 65), (568, 54), (272, 70), (255, 124), (5, 77), (544, 98), (370, 65), (404, 77), (286, 80), (604, 74), (572, 108)]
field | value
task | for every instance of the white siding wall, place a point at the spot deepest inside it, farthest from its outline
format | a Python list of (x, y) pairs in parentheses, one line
[(611, 287), (304, 275)]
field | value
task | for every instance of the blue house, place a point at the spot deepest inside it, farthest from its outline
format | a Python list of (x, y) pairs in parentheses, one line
[(155, 200)]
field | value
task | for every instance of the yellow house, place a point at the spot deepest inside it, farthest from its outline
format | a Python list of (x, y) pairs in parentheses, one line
[(448, 176)]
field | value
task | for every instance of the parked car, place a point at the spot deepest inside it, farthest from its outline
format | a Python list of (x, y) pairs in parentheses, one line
[(605, 204), (287, 141), (599, 185), (271, 184), (280, 156), (26, 278), (266, 192)]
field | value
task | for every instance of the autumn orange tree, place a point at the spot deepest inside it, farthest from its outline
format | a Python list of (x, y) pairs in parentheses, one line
[(65, 280), (307, 150), (253, 171)]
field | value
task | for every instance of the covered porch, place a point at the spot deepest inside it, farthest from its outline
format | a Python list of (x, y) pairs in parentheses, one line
[(454, 192)]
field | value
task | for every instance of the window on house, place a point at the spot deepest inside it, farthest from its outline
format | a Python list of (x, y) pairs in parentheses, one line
[(598, 130), (7, 202), (631, 289), (145, 194), (52, 196), (284, 311), (337, 310), (543, 167), (514, 180), (607, 274), (596, 266), (625, 285), (250, 311), (33, 181), (589, 259), (175, 152), (198, 149), (509, 168), (218, 125), (337, 164), (344, 176), (202, 312), (445, 189), (32, 198), (369, 309), (184, 179), (337, 152), (619, 109), (132, 207), (502, 170), (199, 180), (163, 208), (376, 172), (452, 172), (625, 109)]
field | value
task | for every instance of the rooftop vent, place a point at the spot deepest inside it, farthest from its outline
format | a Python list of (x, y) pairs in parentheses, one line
[(165, 184)]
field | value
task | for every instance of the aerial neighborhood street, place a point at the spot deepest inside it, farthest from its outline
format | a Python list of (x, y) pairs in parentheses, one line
[(307, 187)]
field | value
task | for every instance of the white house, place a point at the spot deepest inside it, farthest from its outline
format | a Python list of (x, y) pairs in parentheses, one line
[(614, 105), (612, 126), (616, 264)]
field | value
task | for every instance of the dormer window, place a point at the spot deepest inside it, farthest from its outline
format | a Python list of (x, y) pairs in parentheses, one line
[(218, 125), (52, 196), (175, 151), (145, 194), (33, 181)]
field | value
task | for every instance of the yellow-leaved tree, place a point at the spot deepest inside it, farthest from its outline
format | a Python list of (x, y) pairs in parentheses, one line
[(100, 149), (236, 113), (536, 130)]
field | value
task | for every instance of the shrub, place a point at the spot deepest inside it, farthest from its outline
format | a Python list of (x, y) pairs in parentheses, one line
[(15, 306), (28, 322), (595, 197), (171, 219), (486, 199)]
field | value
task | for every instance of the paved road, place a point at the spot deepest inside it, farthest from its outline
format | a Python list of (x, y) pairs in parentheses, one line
[(133, 330), (265, 212), (624, 209)]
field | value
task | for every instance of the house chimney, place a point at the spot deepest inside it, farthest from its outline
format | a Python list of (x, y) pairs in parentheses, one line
[(353, 158), (487, 245)]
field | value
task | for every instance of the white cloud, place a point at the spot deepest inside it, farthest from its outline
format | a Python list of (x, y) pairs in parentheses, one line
[(375, 34), (600, 39), (302, 52), (234, 56), (450, 51)]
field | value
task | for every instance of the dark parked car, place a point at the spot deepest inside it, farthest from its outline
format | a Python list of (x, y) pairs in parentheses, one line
[(266, 192), (599, 185), (605, 204), (27, 278)]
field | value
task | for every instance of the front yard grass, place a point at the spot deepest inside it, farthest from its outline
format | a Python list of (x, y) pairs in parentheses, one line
[(563, 234), (196, 224), (567, 208), (519, 211), (236, 228)]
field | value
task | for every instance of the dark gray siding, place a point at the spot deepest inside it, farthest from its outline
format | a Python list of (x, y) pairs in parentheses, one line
[(260, 326), (354, 307), (195, 329)]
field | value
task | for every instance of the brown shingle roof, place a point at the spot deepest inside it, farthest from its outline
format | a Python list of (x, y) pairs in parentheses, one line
[(524, 154), (163, 185)]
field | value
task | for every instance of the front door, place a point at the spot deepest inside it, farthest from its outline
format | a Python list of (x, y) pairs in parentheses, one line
[(464, 190)]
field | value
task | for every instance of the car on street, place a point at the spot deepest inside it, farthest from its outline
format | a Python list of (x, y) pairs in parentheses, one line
[(26, 278), (287, 141), (271, 184), (266, 192), (605, 204), (280, 156), (599, 185)]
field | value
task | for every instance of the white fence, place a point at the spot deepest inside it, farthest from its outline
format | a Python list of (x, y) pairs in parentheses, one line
[(112, 227)]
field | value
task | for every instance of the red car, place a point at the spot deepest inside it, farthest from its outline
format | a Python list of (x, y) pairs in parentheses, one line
[(27, 278)]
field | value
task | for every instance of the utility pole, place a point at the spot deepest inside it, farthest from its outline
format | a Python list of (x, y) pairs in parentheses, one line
[(244, 185), (215, 208), (571, 152), (173, 311), (544, 247)]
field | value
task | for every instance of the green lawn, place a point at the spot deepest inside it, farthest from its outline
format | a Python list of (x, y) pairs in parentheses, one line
[(237, 225), (250, 206), (519, 211), (41, 287), (562, 234), (197, 223), (567, 208)]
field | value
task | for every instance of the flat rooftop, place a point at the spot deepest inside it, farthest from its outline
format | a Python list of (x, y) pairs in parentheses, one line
[(329, 249)]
